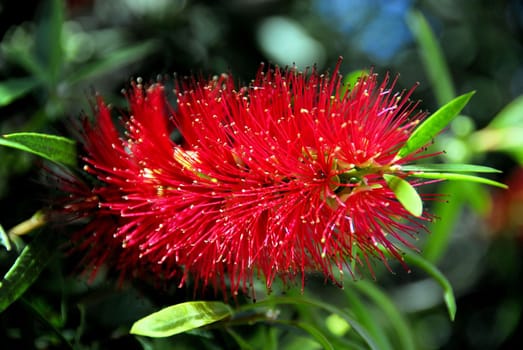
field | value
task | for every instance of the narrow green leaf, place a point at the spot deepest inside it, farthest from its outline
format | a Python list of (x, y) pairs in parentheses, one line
[(55, 148), (49, 38), (37, 314), (465, 168), (432, 270), (367, 319), (510, 116), (405, 193), (459, 177), (26, 268), (12, 89), (396, 319), (180, 318), (432, 57), (351, 79), (434, 124)]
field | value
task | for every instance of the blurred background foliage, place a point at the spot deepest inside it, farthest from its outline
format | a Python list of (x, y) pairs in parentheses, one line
[(55, 54)]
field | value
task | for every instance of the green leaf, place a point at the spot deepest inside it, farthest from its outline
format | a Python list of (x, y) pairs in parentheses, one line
[(431, 57), (459, 177), (13, 89), (242, 343), (510, 116), (434, 124), (367, 319), (351, 79), (26, 268), (464, 168), (180, 318), (55, 148), (432, 270), (113, 60), (337, 325), (312, 330), (332, 309), (49, 38), (442, 229), (396, 319), (405, 193)]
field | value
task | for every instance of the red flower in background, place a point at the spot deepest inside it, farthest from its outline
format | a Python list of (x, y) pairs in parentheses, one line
[(279, 178)]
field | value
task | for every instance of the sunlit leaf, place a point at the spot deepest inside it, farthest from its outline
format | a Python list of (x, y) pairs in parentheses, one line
[(337, 325), (459, 177), (405, 193), (434, 124), (12, 89), (432, 57), (432, 270), (26, 268), (180, 318), (55, 148), (510, 116), (464, 168)]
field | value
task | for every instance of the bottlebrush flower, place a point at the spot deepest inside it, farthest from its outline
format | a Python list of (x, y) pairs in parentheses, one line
[(279, 178)]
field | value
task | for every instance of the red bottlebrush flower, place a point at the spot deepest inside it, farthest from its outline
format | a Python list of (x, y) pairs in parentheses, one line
[(275, 179)]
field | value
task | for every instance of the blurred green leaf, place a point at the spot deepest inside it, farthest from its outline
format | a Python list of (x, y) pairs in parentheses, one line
[(13, 89), (467, 168), (311, 330), (23, 57), (337, 325), (396, 319), (180, 318), (459, 177), (55, 148), (448, 293), (113, 60), (434, 124), (510, 116), (49, 38), (367, 320), (507, 140), (432, 57), (405, 193), (26, 268), (447, 213), (305, 301), (242, 343)]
